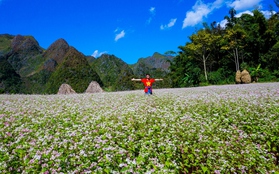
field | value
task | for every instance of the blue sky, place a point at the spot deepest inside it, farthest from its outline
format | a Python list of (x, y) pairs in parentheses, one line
[(128, 29)]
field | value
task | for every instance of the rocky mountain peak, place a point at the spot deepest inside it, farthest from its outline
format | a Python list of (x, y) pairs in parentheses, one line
[(25, 44), (57, 50)]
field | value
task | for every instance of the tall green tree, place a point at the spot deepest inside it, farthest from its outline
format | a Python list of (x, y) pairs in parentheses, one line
[(233, 43), (231, 20), (201, 46), (184, 71), (216, 54)]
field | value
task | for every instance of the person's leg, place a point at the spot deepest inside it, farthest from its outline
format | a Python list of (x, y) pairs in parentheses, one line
[(150, 91)]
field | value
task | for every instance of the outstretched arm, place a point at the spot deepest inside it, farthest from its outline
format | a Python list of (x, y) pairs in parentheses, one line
[(133, 79), (158, 79)]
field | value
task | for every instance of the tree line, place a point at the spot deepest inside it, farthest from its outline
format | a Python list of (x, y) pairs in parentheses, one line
[(214, 53)]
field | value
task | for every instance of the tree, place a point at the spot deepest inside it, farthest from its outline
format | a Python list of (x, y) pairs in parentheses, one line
[(231, 19), (232, 41), (201, 47)]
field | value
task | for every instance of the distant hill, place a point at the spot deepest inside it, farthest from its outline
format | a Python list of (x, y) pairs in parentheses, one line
[(74, 70), (28, 68), (157, 64), (10, 81), (5, 43), (24, 55), (114, 72)]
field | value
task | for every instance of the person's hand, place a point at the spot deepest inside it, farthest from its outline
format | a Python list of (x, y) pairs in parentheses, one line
[(133, 79)]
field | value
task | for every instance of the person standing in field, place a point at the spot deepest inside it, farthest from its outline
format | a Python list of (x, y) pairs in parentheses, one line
[(147, 82)]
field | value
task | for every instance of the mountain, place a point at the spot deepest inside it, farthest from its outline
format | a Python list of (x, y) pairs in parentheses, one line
[(36, 82), (114, 72), (5, 43), (74, 70), (10, 81), (24, 55), (57, 51), (28, 68), (157, 64)]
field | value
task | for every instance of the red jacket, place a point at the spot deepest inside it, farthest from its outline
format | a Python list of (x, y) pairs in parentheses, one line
[(147, 83)]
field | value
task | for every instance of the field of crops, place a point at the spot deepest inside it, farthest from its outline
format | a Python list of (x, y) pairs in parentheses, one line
[(214, 129)]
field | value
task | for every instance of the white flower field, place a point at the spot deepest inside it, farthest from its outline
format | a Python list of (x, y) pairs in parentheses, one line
[(213, 129)]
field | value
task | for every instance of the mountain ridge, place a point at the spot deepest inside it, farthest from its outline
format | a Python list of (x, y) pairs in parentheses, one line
[(44, 70)]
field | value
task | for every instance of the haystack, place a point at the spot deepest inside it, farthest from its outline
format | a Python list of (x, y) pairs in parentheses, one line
[(66, 89), (238, 77), (94, 87), (245, 77)]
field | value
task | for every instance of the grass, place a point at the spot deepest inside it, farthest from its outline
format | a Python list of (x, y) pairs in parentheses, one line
[(213, 129)]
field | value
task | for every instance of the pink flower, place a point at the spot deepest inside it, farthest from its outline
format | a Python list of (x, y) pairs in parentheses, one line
[(217, 172), (2, 115)]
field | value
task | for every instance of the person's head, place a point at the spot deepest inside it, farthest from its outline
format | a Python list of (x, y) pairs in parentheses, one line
[(147, 76)]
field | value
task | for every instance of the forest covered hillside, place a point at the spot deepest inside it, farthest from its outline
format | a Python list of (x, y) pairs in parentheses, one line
[(27, 68)]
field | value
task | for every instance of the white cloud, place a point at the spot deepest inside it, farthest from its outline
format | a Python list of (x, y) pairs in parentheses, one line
[(98, 54), (119, 35), (193, 17), (224, 22), (152, 12), (244, 4), (265, 13), (169, 25), (217, 4), (149, 20), (199, 11)]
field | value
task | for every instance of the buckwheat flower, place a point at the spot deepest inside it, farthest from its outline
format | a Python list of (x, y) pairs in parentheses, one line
[(82, 152), (37, 157), (134, 162), (31, 161), (217, 172), (122, 165), (52, 157), (44, 165)]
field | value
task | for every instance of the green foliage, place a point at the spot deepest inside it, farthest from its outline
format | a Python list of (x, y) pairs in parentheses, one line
[(245, 43), (218, 77), (75, 71), (36, 83), (212, 56), (5, 43), (115, 74), (185, 72), (10, 81), (155, 65), (217, 129)]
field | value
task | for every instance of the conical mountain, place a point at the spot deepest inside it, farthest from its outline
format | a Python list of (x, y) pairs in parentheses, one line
[(57, 51), (114, 72), (25, 55), (157, 64), (73, 70), (54, 54)]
